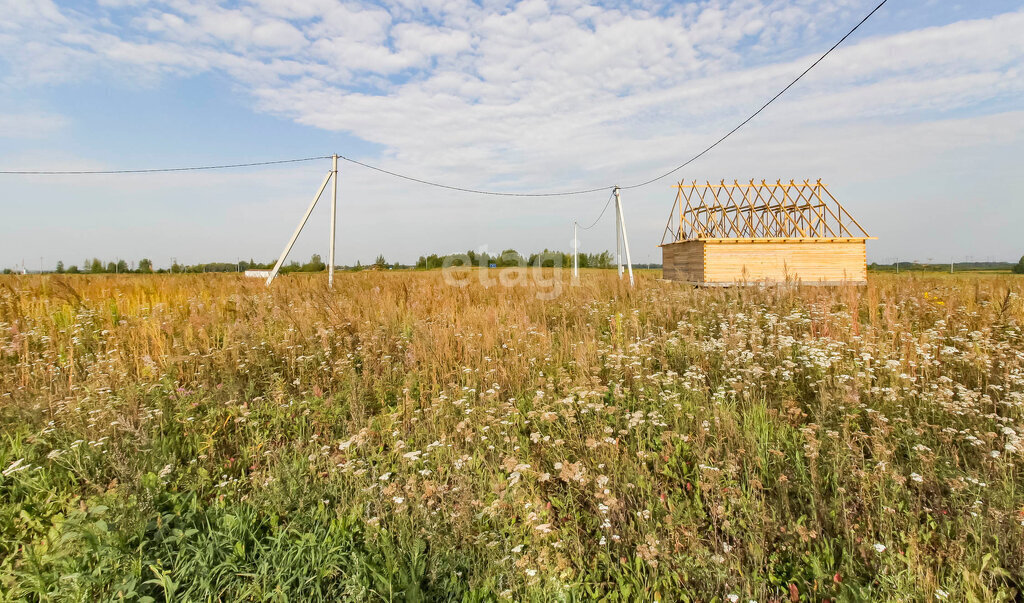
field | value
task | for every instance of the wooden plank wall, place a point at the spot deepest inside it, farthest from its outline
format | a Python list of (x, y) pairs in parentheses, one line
[(683, 261), (810, 261)]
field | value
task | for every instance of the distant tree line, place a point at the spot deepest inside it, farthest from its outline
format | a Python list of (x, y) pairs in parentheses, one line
[(505, 259), (944, 267), (145, 266), (97, 266), (511, 257)]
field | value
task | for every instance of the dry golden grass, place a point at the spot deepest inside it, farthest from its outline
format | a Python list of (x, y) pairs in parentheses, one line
[(195, 436)]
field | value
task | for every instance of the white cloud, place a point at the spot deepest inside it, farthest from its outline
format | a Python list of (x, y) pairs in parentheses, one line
[(278, 34), (429, 41)]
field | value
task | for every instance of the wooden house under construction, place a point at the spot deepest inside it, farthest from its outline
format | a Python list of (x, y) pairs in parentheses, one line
[(726, 234)]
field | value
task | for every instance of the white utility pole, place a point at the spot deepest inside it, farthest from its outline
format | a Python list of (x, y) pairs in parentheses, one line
[(620, 223), (618, 235), (288, 247), (575, 253), (334, 213)]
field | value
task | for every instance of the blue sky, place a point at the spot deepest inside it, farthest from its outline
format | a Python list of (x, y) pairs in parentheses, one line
[(916, 123)]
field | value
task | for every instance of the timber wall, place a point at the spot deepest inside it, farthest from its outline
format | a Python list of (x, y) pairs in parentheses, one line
[(728, 261), (683, 261)]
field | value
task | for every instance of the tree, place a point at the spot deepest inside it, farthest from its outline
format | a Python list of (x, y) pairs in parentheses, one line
[(96, 266), (111, 267), (122, 266), (601, 260), (510, 257), (60, 267), (1019, 268), (145, 266), (315, 264), (380, 262), (73, 269)]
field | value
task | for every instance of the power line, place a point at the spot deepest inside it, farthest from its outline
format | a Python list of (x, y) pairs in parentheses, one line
[(607, 203), (155, 170), (471, 190)]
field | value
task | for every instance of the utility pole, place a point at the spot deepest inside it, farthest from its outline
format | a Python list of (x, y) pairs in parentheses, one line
[(621, 229), (295, 235), (334, 211), (618, 235), (575, 253)]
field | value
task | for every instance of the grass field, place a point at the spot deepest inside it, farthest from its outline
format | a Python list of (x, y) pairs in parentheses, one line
[(201, 437)]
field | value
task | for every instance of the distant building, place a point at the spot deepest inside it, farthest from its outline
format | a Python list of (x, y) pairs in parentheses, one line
[(725, 234), (257, 273)]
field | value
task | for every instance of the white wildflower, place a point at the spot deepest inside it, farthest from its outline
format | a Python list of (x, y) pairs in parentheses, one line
[(15, 467)]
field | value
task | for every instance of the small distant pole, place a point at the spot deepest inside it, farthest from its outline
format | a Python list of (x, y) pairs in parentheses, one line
[(897, 265), (334, 212), (575, 253), (951, 265)]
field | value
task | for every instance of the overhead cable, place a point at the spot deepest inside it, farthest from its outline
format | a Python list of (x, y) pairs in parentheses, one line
[(471, 190), (156, 170), (607, 203)]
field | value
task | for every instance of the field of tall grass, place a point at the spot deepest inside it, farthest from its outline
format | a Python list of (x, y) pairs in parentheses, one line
[(192, 437)]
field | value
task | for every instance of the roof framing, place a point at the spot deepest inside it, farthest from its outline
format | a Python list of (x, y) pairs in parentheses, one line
[(793, 211)]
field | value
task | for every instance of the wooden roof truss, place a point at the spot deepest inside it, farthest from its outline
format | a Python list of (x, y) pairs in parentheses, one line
[(758, 211)]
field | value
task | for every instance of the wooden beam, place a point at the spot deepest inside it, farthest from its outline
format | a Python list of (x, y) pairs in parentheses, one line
[(781, 210)]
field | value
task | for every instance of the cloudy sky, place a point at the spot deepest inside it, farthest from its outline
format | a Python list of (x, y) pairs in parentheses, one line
[(916, 123)]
